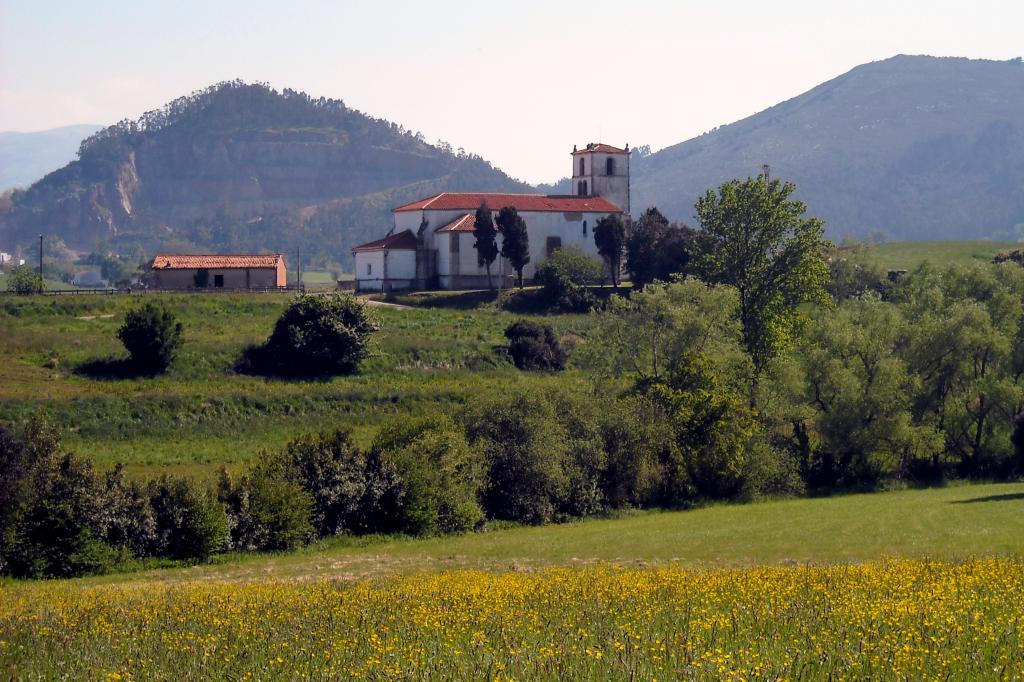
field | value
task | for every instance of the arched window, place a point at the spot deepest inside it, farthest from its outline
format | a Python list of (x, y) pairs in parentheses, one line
[(609, 166), (585, 193), (583, 167)]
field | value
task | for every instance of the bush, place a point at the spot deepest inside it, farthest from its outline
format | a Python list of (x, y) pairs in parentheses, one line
[(534, 346), (440, 475), (638, 443), (131, 525), (266, 511), (152, 336), (564, 277), (317, 335), (542, 457), (190, 522), (53, 511), (24, 280), (353, 491), (711, 427)]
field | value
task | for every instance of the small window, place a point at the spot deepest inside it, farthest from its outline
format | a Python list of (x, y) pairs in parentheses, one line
[(584, 228), (583, 167), (585, 191), (553, 244), (218, 281), (609, 166), (369, 268)]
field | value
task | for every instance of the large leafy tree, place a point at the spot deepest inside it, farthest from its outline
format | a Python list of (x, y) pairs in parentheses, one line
[(656, 249), (856, 397), (967, 349), (515, 241), (486, 243), (754, 236), (610, 238)]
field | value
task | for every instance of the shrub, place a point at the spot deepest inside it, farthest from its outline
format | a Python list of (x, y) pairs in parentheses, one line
[(542, 459), (564, 277), (534, 346), (316, 335), (352, 490), (152, 336), (279, 509), (711, 428), (265, 510), (24, 280), (190, 522), (440, 475), (130, 522), (638, 442), (53, 514)]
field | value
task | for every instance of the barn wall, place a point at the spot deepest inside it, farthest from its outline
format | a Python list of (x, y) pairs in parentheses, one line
[(234, 278)]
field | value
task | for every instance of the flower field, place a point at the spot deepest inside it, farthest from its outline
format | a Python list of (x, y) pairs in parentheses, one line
[(892, 620)]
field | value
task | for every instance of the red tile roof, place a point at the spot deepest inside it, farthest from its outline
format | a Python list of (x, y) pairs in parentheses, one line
[(598, 147), (467, 201), (403, 240), (465, 223), (219, 262)]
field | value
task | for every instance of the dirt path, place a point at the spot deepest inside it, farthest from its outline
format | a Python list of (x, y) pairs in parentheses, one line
[(384, 304)]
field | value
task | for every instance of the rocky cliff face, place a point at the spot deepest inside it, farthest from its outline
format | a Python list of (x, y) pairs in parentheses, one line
[(226, 167)]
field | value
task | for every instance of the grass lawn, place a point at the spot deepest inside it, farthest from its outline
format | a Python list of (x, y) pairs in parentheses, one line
[(955, 522), (907, 255)]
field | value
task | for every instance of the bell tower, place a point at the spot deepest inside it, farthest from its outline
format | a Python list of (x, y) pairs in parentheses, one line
[(602, 170)]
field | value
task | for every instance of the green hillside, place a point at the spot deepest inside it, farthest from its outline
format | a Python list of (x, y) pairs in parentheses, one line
[(907, 255), (915, 147), (241, 167)]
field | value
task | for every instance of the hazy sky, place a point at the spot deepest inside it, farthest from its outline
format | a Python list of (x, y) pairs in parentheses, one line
[(516, 82)]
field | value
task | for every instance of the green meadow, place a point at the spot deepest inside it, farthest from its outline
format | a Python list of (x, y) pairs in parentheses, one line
[(58, 356)]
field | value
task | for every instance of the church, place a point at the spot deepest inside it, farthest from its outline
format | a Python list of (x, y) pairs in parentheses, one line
[(431, 243)]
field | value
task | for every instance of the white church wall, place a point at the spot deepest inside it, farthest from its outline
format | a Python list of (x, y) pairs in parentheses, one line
[(370, 271)]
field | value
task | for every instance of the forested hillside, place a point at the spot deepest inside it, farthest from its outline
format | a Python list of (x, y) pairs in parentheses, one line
[(913, 147), (242, 167)]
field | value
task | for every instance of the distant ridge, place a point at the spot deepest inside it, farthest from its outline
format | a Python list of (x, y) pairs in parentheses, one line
[(913, 147), (26, 157)]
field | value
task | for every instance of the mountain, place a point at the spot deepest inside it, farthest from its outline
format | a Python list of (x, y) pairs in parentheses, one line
[(241, 167), (26, 157), (913, 147)]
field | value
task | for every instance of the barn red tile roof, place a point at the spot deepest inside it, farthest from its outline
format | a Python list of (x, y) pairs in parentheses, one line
[(467, 201), (599, 147), (219, 262), (403, 240), (464, 223)]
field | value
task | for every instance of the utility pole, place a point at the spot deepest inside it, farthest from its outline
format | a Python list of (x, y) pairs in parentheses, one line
[(767, 172), (298, 267), (40, 262)]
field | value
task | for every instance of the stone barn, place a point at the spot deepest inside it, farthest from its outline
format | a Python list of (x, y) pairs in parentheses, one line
[(218, 271)]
